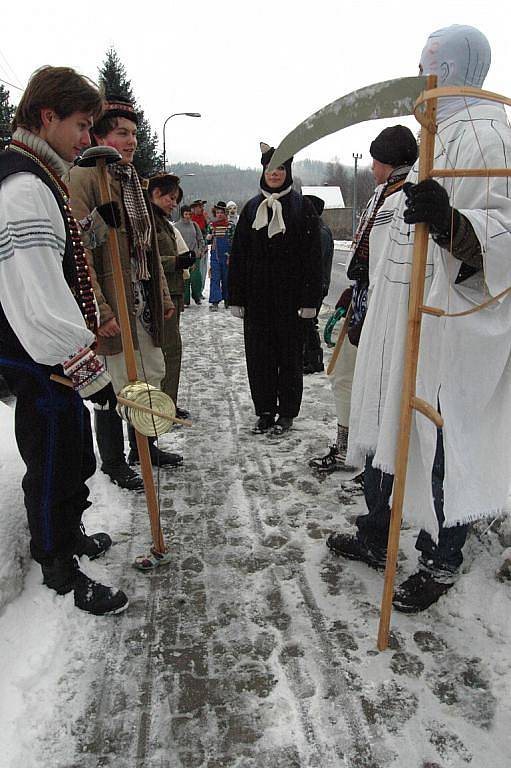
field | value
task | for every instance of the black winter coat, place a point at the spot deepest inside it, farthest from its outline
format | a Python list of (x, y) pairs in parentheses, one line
[(275, 277)]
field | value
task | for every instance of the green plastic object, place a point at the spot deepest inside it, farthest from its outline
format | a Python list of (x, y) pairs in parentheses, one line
[(330, 325)]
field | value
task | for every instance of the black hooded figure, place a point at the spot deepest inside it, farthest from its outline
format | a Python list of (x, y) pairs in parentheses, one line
[(275, 284)]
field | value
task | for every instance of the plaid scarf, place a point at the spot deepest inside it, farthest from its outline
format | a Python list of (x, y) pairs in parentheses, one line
[(138, 216)]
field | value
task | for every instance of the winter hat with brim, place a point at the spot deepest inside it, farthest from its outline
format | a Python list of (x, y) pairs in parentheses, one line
[(266, 156), (317, 203), (395, 146), (220, 206)]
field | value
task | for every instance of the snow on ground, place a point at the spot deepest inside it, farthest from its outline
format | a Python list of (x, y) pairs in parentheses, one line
[(256, 647)]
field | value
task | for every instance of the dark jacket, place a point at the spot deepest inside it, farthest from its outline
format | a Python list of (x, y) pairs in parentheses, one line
[(276, 276)]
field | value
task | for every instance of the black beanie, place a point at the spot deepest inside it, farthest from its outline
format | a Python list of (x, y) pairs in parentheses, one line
[(266, 155), (395, 146)]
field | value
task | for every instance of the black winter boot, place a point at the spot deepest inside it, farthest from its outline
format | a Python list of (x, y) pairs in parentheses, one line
[(264, 423), (421, 590), (110, 440), (283, 424), (63, 575), (92, 546), (351, 547), (159, 458)]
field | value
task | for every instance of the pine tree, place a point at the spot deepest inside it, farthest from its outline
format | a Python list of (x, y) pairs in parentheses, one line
[(115, 81), (6, 114)]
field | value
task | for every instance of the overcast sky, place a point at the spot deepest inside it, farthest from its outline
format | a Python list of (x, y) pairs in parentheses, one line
[(253, 70)]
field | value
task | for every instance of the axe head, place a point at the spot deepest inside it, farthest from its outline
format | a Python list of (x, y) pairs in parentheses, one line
[(93, 155)]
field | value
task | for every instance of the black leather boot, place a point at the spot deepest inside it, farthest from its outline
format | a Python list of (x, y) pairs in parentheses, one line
[(110, 440), (158, 458)]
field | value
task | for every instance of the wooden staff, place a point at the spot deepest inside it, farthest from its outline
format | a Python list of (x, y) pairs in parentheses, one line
[(340, 340), (408, 399), (100, 157)]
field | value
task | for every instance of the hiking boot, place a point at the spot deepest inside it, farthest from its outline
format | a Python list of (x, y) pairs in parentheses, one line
[(264, 423), (96, 598), (91, 546), (158, 458), (63, 575), (419, 591), (182, 413), (283, 424), (213, 307), (125, 477), (351, 547), (332, 462), (198, 301), (313, 368)]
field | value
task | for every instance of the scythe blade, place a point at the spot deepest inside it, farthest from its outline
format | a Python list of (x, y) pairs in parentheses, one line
[(390, 98)]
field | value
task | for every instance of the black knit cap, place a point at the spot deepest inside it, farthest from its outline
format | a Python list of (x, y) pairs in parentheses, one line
[(266, 155), (395, 146)]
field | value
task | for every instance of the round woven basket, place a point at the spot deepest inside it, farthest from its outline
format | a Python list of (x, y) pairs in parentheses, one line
[(148, 424)]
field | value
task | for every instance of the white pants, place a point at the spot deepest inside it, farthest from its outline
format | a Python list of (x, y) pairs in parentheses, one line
[(149, 359), (341, 380)]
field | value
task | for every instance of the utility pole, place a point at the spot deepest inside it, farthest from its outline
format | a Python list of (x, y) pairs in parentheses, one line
[(356, 158)]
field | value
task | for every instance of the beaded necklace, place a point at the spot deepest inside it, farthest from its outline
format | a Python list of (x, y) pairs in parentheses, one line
[(76, 269)]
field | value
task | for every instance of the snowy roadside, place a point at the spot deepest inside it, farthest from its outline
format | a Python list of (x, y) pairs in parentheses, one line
[(256, 647)]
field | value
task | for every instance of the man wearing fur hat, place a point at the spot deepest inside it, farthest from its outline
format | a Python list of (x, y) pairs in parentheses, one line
[(146, 287), (275, 285), (461, 472)]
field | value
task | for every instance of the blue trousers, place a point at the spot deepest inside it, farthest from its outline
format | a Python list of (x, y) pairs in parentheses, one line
[(373, 528), (219, 276)]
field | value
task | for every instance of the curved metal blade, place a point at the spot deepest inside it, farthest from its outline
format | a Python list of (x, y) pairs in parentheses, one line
[(390, 98)]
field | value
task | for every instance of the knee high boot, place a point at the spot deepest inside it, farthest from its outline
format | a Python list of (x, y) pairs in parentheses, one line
[(110, 440)]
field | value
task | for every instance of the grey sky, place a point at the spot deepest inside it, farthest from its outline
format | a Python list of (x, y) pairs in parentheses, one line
[(254, 70)]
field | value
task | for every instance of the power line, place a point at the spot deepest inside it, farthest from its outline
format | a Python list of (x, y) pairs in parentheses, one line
[(9, 67), (11, 84)]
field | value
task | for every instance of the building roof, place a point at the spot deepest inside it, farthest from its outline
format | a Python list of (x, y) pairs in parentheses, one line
[(331, 195)]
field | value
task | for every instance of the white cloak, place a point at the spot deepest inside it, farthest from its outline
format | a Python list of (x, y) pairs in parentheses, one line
[(464, 363)]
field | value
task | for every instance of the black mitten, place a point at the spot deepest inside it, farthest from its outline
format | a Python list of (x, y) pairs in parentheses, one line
[(104, 396), (110, 213), (428, 202)]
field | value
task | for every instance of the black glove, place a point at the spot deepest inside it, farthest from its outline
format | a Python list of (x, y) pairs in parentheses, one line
[(104, 396), (110, 213), (428, 202), (186, 260)]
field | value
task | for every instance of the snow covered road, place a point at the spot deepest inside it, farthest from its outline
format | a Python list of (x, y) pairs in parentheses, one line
[(256, 647)]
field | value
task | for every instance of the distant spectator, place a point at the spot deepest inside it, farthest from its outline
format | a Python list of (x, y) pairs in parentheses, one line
[(312, 350), (193, 238), (220, 234)]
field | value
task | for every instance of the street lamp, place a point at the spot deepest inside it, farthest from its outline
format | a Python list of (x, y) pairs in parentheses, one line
[(187, 114), (356, 158)]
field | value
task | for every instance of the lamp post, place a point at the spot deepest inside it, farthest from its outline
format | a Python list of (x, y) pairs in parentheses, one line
[(356, 158), (187, 114)]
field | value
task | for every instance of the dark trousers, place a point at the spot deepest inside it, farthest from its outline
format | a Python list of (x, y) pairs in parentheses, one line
[(312, 349), (274, 353), (373, 528), (54, 438)]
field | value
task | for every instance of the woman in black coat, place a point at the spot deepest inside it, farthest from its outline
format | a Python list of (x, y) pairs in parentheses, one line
[(275, 281)]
